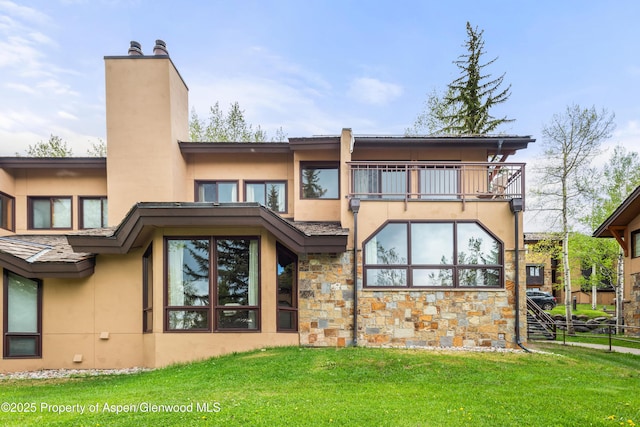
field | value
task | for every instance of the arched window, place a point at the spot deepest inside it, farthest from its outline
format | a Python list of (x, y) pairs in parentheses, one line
[(443, 254)]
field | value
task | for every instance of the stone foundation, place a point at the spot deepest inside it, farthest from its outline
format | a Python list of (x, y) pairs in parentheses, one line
[(435, 319), (632, 307), (405, 317)]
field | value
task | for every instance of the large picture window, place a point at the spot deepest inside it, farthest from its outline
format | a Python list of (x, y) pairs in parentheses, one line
[(93, 212), (271, 194), (433, 254), (22, 317), (49, 213), (7, 209), (287, 270), (217, 191), (319, 180), (212, 283)]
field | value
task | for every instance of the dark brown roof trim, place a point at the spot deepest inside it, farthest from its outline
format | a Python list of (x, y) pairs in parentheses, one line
[(315, 143), (143, 217), (53, 162), (506, 143), (622, 216), (234, 147)]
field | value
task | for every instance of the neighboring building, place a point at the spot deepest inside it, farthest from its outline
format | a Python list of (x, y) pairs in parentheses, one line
[(169, 251), (624, 225), (543, 271), (542, 266)]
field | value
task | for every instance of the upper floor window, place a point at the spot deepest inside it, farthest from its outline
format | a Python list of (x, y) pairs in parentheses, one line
[(271, 194), (212, 283), (93, 212), (433, 254), (47, 213), (635, 244), (7, 212), (319, 180), (535, 275), (216, 191), (22, 317)]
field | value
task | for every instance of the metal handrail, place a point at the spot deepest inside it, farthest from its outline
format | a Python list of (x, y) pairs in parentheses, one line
[(435, 181), (544, 319)]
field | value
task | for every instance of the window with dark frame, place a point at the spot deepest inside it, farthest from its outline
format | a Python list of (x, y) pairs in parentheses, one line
[(47, 213), (93, 212), (441, 254), (216, 191), (7, 212), (535, 275), (272, 194), (147, 290), (287, 272), (22, 317), (635, 244), (319, 180), (212, 283)]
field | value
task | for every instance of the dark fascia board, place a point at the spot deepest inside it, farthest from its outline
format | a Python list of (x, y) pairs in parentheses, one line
[(146, 57), (315, 143), (142, 217), (622, 216), (35, 270), (53, 162), (234, 147), (506, 143)]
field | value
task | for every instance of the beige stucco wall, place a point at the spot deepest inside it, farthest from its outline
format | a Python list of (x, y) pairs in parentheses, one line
[(77, 312), (241, 168), (76, 182), (7, 182), (315, 209), (147, 114)]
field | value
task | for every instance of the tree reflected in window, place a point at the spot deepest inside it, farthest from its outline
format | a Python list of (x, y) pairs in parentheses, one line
[(433, 254)]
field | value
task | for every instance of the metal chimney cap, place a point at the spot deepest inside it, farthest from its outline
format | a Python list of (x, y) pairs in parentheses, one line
[(135, 48), (160, 48)]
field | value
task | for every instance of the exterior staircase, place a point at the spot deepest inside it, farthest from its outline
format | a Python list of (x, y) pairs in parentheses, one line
[(540, 326)]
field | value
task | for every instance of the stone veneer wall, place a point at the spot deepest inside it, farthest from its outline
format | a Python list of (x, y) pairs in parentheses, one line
[(632, 307), (402, 318), (325, 303)]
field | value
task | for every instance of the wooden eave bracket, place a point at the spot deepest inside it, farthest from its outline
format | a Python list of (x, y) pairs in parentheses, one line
[(618, 232)]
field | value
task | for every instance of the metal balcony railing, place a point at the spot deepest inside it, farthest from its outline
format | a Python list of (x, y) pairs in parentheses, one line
[(436, 181)]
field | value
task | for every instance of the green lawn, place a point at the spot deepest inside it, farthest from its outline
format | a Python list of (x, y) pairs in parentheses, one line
[(581, 309), (353, 387)]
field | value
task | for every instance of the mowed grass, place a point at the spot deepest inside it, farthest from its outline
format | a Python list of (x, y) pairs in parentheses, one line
[(581, 310), (349, 387)]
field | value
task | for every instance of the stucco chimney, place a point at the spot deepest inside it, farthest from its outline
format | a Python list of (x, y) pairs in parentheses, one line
[(160, 48), (135, 49)]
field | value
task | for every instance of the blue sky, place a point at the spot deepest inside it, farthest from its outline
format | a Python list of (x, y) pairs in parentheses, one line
[(315, 67)]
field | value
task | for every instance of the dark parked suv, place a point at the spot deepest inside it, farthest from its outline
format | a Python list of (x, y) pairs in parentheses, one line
[(544, 300)]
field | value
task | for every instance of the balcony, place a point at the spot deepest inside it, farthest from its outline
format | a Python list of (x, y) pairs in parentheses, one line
[(436, 181)]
